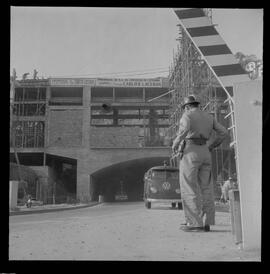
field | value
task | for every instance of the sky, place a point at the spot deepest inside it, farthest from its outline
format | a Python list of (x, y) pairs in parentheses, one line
[(114, 42)]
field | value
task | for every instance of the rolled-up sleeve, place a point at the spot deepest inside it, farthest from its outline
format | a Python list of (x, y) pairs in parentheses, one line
[(184, 127)]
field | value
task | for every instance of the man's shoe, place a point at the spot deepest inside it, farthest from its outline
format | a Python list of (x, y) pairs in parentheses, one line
[(192, 228), (207, 228)]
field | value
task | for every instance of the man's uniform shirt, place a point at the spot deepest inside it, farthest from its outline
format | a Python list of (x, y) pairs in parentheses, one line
[(195, 123)]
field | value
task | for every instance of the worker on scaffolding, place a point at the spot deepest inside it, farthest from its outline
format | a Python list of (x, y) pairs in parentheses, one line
[(195, 129)]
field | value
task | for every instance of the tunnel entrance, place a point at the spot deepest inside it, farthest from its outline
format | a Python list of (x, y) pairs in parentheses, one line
[(122, 181)]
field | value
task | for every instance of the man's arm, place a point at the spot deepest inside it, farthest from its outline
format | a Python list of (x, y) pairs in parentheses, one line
[(222, 133), (184, 127)]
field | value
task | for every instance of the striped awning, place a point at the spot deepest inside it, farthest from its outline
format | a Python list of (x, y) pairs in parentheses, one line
[(212, 47)]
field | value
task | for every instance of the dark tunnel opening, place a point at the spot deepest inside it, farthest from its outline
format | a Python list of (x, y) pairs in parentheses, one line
[(123, 181)]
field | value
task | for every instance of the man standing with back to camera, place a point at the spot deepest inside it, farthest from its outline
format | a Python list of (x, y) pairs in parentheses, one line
[(196, 184)]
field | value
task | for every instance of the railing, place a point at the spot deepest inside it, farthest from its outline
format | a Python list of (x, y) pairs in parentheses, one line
[(232, 127)]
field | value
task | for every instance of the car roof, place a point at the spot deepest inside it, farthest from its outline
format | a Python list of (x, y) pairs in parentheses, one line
[(163, 168)]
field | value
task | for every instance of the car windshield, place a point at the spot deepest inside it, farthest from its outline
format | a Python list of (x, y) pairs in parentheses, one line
[(173, 174), (165, 174), (158, 174)]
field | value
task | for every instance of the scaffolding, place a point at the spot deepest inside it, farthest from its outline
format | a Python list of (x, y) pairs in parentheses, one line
[(27, 107), (190, 74)]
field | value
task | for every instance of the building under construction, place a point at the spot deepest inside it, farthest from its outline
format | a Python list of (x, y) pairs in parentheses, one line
[(89, 137)]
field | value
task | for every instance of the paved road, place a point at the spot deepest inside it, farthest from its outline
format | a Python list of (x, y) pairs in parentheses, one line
[(120, 231)]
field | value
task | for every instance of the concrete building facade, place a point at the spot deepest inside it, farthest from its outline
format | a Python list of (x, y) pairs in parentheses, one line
[(90, 135)]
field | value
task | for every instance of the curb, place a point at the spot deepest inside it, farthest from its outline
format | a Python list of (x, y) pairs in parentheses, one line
[(12, 213)]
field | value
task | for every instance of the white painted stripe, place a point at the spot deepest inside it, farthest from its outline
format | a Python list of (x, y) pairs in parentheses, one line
[(210, 40), (232, 79), (223, 59), (196, 22)]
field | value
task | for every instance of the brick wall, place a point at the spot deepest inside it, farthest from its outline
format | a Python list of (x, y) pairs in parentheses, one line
[(65, 128), (114, 137)]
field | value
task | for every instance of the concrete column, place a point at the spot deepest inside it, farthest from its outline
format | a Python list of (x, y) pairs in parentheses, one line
[(13, 194), (144, 97), (37, 190), (113, 94), (43, 193), (86, 118), (248, 120), (83, 181)]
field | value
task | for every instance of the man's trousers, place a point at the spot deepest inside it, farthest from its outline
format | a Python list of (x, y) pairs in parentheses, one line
[(197, 186)]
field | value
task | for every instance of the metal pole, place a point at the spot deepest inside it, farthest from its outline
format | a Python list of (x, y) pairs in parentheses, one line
[(170, 91)]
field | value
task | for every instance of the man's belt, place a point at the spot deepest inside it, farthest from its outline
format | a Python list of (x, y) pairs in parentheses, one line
[(196, 141)]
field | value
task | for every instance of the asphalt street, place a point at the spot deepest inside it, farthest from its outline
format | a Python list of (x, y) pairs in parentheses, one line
[(124, 231)]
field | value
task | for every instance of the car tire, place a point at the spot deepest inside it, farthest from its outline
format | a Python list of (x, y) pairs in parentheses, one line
[(180, 206), (173, 205), (148, 205)]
